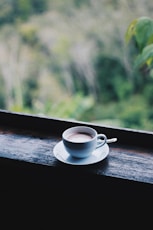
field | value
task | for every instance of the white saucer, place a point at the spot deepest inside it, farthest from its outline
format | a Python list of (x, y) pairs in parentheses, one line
[(62, 155)]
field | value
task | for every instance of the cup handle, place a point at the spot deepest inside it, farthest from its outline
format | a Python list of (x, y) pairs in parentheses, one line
[(101, 140)]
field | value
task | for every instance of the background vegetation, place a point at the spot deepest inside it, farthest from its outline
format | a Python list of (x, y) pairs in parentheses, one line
[(69, 59)]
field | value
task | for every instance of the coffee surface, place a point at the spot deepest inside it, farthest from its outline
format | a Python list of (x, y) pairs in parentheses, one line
[(79, 137)]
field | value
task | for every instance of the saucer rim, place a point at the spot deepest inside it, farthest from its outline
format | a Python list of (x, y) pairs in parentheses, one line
[(102, 157)]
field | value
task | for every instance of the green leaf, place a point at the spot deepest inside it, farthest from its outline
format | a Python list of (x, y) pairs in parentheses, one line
[(146, 57), (143, 32), (141, 29), (130, 30)]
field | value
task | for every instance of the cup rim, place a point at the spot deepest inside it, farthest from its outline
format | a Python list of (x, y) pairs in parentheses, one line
[(74, 128)]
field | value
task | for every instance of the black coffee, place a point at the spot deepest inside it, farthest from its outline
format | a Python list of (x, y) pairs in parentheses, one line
[(80, 137)]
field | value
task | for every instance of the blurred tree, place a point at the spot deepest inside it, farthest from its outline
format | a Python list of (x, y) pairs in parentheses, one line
[(28, 33), (12, 10), (112, 81), (6, 12)]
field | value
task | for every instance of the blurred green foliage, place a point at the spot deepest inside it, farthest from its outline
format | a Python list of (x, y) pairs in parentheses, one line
[(69, 59), (10, 11), (140, 34)]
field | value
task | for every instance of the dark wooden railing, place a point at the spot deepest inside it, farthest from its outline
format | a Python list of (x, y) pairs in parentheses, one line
[(27, 162)]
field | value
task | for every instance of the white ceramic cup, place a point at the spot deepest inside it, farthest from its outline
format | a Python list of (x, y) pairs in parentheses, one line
[(81, 141)]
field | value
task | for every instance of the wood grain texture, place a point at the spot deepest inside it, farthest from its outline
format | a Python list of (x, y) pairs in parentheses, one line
[(27, 161), (124, 161)]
